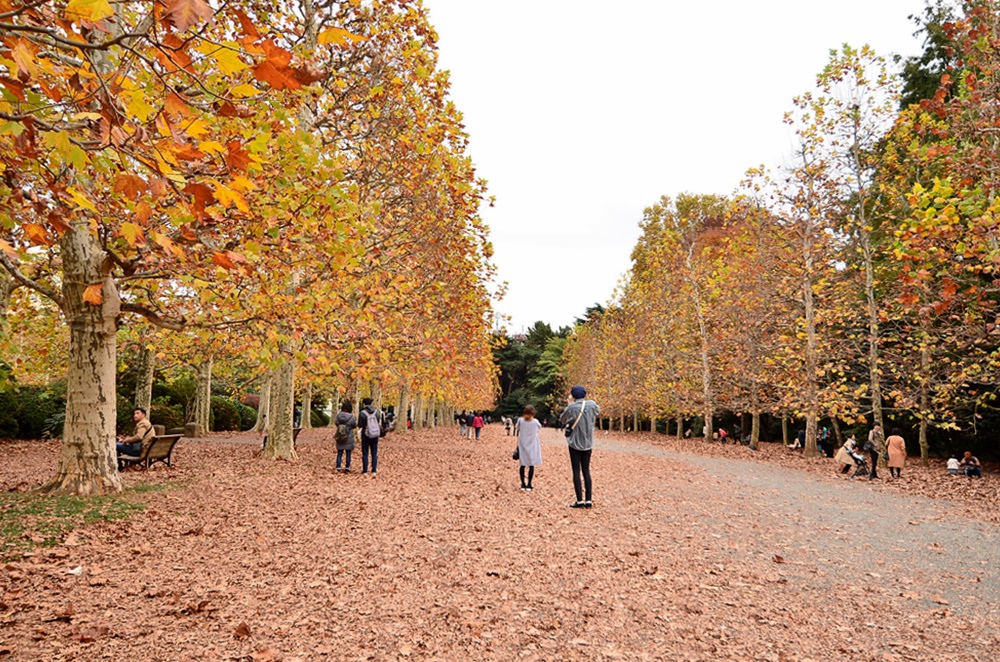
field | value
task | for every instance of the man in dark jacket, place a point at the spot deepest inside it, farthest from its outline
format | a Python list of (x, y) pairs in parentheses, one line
[(370, 422)]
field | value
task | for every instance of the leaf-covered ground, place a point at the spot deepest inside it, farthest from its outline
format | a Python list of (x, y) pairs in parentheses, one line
[(690, 553)]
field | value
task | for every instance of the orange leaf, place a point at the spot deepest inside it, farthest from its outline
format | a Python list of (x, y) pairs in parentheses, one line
[(37, 234), (172, 55), (249, 29), (222, 260), (7, 248), (202, 195), (279, 78), (238, 158), (176, 105), (92, 294), (130, 185), (143, 212), (182, 14)]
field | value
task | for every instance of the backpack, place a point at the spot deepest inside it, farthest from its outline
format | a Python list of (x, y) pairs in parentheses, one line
[(343, 433), (373, 428)]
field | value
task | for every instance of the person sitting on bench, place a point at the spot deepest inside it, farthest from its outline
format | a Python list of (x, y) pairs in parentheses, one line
[(143, 433)]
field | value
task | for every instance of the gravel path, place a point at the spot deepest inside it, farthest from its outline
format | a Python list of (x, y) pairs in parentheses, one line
[(854, 527)]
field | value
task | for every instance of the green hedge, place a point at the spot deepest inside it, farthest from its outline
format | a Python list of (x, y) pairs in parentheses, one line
[(248, 416), (225, 415), (27, 411), (168, 415), (318, 419)]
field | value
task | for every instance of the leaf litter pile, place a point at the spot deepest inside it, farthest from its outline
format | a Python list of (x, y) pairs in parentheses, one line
[(443, 557)]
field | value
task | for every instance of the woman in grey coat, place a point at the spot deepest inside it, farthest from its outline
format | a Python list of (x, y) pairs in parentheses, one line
[(345, 424)]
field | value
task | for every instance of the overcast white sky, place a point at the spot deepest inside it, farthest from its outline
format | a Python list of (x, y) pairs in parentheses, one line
[(583, 113)]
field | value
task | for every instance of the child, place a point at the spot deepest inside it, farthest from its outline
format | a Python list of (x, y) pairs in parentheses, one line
[(953, 465), (529, 448), (507, 424)]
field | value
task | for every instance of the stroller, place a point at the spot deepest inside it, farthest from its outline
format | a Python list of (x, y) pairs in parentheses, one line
[(861, 463)]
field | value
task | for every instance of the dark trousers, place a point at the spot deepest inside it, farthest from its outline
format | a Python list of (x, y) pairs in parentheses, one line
[(874, 470), (340, 456), (369, 446), (128, 449), (581, 467), (531, 475)]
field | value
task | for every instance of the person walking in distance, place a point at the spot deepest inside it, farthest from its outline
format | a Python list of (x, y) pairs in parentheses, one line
[(469, 418), (529, 448), (462, 425), (896, 447), (874, 448), (477, 424), (370, 422), (578, 419)]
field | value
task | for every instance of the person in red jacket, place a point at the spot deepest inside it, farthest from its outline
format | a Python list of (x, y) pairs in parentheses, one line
[(477, 424)]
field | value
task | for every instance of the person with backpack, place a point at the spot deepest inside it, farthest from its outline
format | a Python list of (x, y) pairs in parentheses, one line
[(372, 428), (578, 419), (345, 424), (469, 419)]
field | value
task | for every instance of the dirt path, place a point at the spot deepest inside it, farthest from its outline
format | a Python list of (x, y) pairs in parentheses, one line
[(442, 557)]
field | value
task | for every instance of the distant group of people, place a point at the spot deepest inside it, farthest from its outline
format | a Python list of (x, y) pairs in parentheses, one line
[(470, 423), (894, 446)]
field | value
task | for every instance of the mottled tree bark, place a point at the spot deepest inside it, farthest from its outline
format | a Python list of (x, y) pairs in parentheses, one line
[(87, 460), (144, 383), (203, 397), (281, 411), (263, 404), (402, 409), (307, 401)]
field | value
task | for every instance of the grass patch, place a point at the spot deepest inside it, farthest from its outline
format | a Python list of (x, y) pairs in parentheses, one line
[(29, 520)]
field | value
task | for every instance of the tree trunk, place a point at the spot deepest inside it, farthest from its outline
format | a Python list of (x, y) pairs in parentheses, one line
[(635, 421), (203, 397), (376, 393), (281, 411), (873, 327), (402, 407), (754, 430), (87, 459), (925, 362), (307, 403), (812, 388), (264, 404), (680, 428), (144, 384), (418, 412), (784, 430)]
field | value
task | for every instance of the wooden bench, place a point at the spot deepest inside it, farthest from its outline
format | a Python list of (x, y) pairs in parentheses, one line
[(158, 450)]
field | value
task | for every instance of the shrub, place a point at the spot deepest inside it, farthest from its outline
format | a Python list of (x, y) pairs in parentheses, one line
[(27, 410), (165, 414), (225, 416), (248, 416), (318, 419), (123, 420)]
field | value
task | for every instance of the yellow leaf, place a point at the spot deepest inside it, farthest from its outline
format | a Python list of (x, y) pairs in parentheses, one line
[(227, 197), (226, 56), (211, 147), (82, 201), (138, 107), (87, 116), (167, 244), (245, 90), (88, 10), (92, 294), (197, 128), (337, 37), (7, 248), (241, 184), (133, 233)]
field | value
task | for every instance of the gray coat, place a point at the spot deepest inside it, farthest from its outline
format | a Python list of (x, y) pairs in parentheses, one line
[(582, 438), (352, 423)]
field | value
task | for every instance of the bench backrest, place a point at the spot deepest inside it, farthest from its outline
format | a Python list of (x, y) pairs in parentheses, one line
[(161, 447)]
